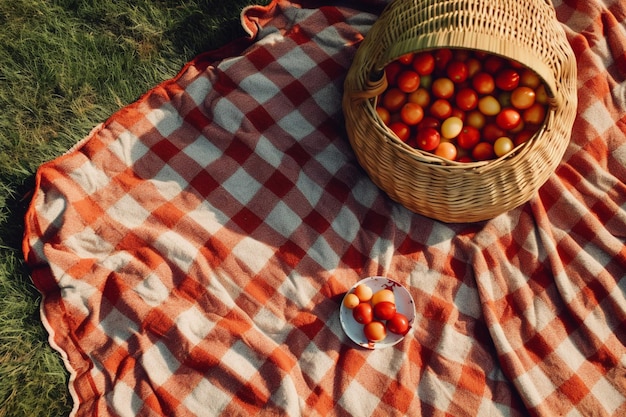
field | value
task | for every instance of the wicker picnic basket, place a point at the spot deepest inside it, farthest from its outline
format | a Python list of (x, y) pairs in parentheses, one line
[(525, 31)]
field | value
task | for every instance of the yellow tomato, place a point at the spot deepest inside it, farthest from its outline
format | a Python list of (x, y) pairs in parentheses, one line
[(363, 292), (503, 145), (383, 295), (375, 331), (351, 301)]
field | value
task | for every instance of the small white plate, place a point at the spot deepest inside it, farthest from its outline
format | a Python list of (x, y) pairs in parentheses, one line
[(404, 305)]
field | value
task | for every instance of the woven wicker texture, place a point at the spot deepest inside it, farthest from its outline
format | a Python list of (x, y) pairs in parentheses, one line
[(527, 32)]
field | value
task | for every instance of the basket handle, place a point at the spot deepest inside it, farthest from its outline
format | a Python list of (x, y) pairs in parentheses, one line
[(374, 86)]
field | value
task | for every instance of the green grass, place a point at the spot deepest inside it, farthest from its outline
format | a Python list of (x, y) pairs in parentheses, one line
[(65, 66)]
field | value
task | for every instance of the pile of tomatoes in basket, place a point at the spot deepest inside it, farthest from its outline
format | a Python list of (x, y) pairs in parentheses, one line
[(462, 105)]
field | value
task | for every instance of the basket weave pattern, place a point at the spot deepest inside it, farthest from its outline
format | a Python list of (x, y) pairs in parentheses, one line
[(526, 31)]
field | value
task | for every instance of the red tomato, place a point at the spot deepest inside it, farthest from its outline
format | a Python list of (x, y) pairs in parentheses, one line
[(521, 126), (391, 72), (483, 83), (406, 59), (384, 114), (442, 57), (393, 99), (468, 138), (535, 114), (384, 310), (411, 113), (408, 81), (493, 64), (466, 99), (457, 71), (522, 137), (508, 118), (363, 313), (429, 121), (507, 79), (523, 97), (446, 150), (461, 54), (483, 151), (442, 88), (375, 331), (456, 112), (401, 130), (424, 63), (491, 132), (441, 109), (398, 324), (428, 138)]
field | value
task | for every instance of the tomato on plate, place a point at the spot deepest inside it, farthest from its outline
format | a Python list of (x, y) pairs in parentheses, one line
[(384, 310), (398, 324), (363, 292), (375, 331), (363, 313)]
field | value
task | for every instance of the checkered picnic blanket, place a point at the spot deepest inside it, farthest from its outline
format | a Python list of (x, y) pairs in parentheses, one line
[(193, 250)]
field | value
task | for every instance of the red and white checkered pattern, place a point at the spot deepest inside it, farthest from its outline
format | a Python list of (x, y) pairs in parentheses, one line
[(194, 249)]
